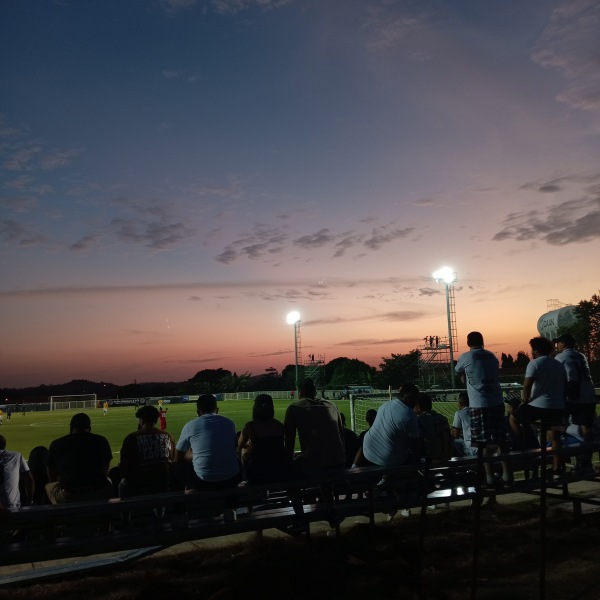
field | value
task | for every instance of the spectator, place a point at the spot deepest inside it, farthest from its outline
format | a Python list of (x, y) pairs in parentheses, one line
[(351, 443), (78, 465), (543, 397), (162, 416), (581, 396), (479, 369), (146, 457), (261, 444), (369, 419), (434, 429), (37, 460), (212, 439), (13, 472), (394, 436), (320, 431), (461, 428)]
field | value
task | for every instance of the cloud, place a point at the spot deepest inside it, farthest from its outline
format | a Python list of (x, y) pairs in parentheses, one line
[(235, 6), (429, 292), (59, 158), (18, 234), (157, 234), (573, 221), (395, 316), (376, 342), (569, 44), (315, 240), (85, 243), (19, 204), (379, 237)]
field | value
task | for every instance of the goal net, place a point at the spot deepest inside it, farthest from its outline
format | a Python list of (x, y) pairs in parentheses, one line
[(75, 401), (445, 402)]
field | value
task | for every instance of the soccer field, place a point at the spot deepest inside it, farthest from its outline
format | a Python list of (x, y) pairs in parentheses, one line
[(24, 432)]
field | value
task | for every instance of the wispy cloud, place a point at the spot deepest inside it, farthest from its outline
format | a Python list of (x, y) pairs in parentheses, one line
[(395, 316), (157, 235), (570, 222), (570, 44), (377, 342)]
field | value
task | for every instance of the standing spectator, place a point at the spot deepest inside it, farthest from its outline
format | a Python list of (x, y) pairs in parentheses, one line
[(319, 428), (212, 439), (581, 396), (78, 464), (394, 437), (8, 413), (461, 428), (13, 472), (105, 408), (146, 457), (479, 369), (261, 444), (543, 396)]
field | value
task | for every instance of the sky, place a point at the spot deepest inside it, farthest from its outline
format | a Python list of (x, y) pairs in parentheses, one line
[(177, 175)]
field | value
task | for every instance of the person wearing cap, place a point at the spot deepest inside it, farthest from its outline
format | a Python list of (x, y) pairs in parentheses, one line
[(78, 465), (580, 393), (146, 457)]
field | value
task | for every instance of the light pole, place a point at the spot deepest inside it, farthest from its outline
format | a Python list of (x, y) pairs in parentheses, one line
[(447, 276), (293, 318)]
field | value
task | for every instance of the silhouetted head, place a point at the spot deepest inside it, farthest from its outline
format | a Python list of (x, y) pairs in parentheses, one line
[(206, 404), (543, 346), (408, 393), (263, 408), (147, 414), (308, 389), (475, 340), (370, 417), (80, 422)]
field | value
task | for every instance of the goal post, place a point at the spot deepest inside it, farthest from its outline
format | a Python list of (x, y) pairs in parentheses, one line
[(74, 401)]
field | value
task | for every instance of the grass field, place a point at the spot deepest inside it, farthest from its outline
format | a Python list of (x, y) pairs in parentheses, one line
[(23, 433)]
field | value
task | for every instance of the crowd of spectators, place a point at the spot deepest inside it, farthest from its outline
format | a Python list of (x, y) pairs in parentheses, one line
[(210, 454)]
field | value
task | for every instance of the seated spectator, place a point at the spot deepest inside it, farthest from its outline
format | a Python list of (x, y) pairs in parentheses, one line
[(370, 419), (461, 428), (37, 460), (435, 430), (261, 445), (212, 439), (14, 471), (529, 438), (319, 428), (394, 438), (146, 457), (78, 465), (351, 442)]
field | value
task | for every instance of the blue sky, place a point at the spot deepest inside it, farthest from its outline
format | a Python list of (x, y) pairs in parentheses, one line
[(175, 176)]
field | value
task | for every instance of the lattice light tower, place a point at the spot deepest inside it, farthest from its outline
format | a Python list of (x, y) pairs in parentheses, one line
[(293, 318), (447, 276)]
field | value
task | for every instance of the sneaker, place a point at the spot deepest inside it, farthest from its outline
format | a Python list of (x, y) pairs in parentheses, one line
[(405, 512)]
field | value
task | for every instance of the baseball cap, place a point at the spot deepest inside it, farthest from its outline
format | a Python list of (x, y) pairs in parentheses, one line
[(565, 338)]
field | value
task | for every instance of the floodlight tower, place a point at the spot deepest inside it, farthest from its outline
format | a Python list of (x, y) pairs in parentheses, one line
[(447, 276), (293, 318)]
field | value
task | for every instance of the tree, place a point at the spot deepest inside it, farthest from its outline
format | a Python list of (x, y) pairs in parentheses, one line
[(522, 360), (209, 380), (398, 369), (234, 382), (348, 371), (587, 329), (507, 362)]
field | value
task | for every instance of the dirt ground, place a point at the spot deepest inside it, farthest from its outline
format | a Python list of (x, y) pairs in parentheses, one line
[(366, 564)]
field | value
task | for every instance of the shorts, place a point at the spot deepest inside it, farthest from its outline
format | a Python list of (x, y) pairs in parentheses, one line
[(526, 414), (582, 414), (487, 425)]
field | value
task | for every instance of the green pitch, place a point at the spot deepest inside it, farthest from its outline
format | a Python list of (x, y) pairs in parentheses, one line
[(24, 432)]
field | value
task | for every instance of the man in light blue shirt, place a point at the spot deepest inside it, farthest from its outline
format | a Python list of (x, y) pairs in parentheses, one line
[(211, 438)]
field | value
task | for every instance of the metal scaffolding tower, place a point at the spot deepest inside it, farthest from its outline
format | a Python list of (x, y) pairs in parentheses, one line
[(314, 368)]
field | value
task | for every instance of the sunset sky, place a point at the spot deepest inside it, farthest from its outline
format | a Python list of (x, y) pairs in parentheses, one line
[(177, 175)]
